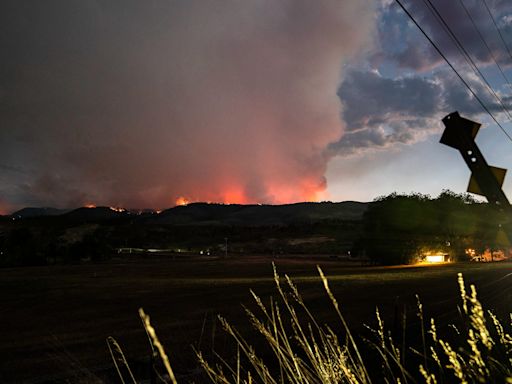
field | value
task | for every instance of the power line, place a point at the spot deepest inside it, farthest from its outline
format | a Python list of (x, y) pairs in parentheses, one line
[(497, 28), (485, 43), (453, 68), (466, 55)]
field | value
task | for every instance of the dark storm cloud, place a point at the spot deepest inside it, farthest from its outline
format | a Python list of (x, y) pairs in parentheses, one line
[(135, 103), (403, 45), (407, 104), (364, 92), (380, 112)]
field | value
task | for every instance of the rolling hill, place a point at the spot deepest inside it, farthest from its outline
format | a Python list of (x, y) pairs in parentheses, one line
[(234, 214), (207, 214)]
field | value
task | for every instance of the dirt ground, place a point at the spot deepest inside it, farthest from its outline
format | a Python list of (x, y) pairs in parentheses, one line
[(54, 320)]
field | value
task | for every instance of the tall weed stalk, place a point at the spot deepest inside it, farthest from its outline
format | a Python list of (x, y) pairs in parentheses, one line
[(300, 350)]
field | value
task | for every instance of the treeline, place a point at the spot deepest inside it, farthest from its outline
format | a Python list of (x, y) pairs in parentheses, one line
[(29, 244), (400, 229), (45, 241)]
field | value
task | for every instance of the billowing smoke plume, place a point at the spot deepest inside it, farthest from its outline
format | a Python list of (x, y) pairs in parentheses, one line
[(137, 103)]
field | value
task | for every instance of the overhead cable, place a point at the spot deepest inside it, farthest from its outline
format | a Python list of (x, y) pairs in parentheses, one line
[(466, 55), (485, 43), (453, 68), (497, 29)]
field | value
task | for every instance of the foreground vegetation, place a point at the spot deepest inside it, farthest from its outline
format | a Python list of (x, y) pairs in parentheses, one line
[(57, 317), (299, 349)]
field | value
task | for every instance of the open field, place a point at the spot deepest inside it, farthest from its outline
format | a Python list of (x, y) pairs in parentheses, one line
[(54, 320)]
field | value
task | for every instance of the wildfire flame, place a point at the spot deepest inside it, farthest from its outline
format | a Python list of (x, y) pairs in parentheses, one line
[(182, 201), (117, 209), (235, 194), (90, 205)]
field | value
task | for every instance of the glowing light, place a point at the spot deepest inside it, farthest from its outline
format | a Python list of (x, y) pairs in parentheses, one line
[(182, 201), (470, 252), (117, 209), (434, 258), (90, 205)]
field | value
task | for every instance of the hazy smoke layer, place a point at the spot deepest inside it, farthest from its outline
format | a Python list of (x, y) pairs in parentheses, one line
[(138, 103)]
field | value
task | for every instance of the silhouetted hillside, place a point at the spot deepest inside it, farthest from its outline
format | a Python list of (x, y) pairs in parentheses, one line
[(38, 212), (85, 214), (247, 215), (94, 234), (209, 214)]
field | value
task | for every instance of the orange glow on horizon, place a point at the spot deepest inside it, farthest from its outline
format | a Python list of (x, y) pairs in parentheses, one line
[(278, 194), (232, 192), (182, 201), (235, 195), (4, 208), (235, 192), (290, 195)]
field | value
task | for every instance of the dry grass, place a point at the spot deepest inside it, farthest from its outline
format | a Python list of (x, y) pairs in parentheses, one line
[(300, 350)]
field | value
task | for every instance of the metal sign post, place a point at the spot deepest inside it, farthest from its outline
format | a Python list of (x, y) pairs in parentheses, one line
[(485, 180)]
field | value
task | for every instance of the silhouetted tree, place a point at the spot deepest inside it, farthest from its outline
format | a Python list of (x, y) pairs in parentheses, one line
[(398, 227), (21, 248)]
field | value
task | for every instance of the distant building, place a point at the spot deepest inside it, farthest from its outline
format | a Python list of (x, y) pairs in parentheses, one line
[(436, 258)]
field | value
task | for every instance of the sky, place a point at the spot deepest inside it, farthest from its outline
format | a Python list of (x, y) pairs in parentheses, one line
[(143, 104)]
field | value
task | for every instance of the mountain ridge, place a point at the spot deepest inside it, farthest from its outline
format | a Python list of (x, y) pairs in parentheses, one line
[(201, 213)]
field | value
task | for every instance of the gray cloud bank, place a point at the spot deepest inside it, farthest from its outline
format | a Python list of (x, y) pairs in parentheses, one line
[(380, 112), (406, 104)]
